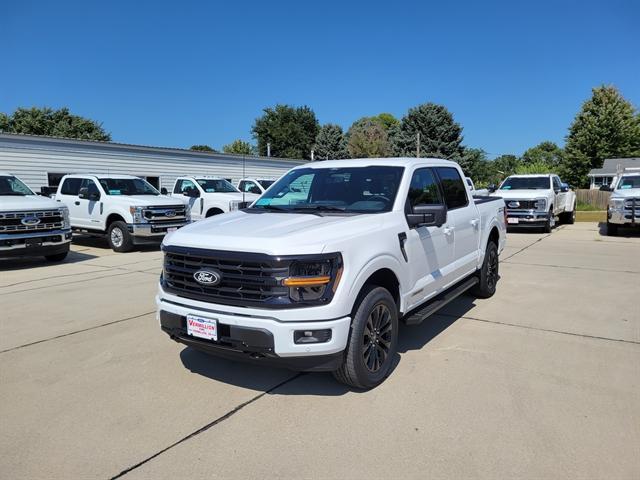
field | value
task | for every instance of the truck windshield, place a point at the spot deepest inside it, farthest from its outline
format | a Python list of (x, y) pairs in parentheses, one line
[(10, 185), (526, 183), (218, 185), (348, 190), (127, 186), (629, 182)]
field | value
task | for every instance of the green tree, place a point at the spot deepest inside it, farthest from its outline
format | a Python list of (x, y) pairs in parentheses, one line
[(503, 166), (330, 143), (291, 131), (387, 120), (239, 147), (607, 126), (534, 167), (202, 148), (54, 123), (440, 135), (367, 138), (545, 152), (475, 164)]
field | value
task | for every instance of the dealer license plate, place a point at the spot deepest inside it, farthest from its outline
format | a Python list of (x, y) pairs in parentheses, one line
[(512, 220), (172, 229), (200, 327), (33, 242)]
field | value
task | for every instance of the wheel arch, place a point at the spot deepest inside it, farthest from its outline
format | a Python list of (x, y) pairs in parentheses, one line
[(382, 276)]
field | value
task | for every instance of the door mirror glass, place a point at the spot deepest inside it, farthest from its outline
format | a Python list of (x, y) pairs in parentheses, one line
[(605, 188), (94, 196), (564, 187), (83, 193), (163, 191), (191, 192), (492, 188), (427, 216)]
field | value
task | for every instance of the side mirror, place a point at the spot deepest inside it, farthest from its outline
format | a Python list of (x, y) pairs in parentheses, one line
[(83, 193), (255, 190), (605, 188), (163, 191), (427, 216), (492, 188), (94, 196), (564, 187), (192, 192)]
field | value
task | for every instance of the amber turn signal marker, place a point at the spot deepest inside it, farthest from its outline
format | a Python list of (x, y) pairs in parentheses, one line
[(306, 281)]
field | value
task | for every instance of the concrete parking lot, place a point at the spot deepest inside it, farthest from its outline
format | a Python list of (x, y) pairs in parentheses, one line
[(540, 381)]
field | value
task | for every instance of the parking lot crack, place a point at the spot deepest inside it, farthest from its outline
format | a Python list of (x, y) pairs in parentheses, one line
[(528, 246), (206, 427)]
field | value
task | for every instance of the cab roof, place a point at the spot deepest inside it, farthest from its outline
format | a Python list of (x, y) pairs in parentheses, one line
[(103, 176), (382, 162)]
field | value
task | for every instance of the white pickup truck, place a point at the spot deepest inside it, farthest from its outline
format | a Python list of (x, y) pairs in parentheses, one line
[(127, 209), (317, 273), (31, 225), (254, 185), (209, 196), (537, 200), (624, 203)]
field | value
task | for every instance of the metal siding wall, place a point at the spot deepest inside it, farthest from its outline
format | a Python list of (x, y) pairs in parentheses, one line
[(32, 163)]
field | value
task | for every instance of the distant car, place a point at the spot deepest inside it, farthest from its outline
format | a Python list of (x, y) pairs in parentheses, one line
[(255, 185), (537, 200), (624, 203)]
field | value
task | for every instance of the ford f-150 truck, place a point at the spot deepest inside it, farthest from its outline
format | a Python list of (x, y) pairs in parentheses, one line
[(127, 209), (31, 225), (537, 200), (317, 273), (624, 203), (208, 196)]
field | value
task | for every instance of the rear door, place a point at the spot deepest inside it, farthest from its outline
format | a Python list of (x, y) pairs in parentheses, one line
[(429, 250), (463, 217)]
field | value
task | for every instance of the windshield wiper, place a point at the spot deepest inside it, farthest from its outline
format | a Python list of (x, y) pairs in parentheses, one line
[(322, 208), (274, 208)]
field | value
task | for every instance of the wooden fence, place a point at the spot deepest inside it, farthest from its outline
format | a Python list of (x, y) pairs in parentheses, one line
[(596, 198)]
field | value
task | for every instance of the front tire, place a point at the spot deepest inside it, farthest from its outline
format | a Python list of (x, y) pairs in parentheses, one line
[(119, 237), (569, 218), (488, 274), (551, 222), (373, 341)]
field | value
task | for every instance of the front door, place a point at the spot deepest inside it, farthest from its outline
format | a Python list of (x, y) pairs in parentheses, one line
[(195, 204)]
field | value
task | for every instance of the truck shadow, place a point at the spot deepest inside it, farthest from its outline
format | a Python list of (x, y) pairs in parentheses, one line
[(623, 232), (264, 379), (22, 263), (103, 243)]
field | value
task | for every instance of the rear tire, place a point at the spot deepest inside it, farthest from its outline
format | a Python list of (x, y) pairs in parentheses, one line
[(57, 257), (569, 218), (373, 340), (612, 229), (119, 237), (488, 274)]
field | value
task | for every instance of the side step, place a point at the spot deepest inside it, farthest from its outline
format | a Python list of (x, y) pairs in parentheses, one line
[(417, 316)]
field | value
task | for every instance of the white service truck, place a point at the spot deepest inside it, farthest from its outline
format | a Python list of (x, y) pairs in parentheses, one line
[(624, 204), (127, 209), (31, 225), (537, 200), (209, 196), (318, 272), (255, 185)]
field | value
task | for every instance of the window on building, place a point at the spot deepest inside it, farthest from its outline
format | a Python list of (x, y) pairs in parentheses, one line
[(155, 181), (53, 179)]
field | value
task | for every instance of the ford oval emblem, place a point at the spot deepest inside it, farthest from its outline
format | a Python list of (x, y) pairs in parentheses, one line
[(513, 204), (30, 221), (210, 278), (170, 213)]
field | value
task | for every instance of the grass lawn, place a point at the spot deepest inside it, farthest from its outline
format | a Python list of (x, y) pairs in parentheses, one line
[(591, 216)]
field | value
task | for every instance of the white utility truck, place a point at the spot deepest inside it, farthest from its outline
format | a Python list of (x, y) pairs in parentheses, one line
[(254, 185), (31, 225), (318, 272), (127, 209), (209, 196), (537, 200), (624, 203)]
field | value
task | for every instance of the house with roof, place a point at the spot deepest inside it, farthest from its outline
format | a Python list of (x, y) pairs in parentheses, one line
[(610, 168)]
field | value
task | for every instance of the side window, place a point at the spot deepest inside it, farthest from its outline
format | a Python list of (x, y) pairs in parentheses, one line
[(241, 185), (556, 183), (187, 185), (178, 187), (424, 188), (71, 186), (455, 194), (90, 185)]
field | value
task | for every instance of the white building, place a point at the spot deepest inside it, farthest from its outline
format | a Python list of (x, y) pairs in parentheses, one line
[(42, 161)]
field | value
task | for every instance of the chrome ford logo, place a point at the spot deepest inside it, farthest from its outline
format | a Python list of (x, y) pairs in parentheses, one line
[(513, 204), (170, 213), (209, 278), (30, 221)]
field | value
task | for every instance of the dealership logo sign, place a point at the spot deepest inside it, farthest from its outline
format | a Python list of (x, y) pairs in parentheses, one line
[(209, 278)]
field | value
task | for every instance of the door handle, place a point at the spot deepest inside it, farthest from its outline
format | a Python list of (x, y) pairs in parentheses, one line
[(475, 222), (77, 202), (448, 230)]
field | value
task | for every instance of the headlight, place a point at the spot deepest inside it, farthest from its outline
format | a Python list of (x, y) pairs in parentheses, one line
[(234, 205), (65, 217), (541, 204), (315, 280), (616, 203), (137, 214)]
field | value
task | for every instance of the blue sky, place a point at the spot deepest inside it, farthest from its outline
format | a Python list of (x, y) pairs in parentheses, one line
[(182, 73)]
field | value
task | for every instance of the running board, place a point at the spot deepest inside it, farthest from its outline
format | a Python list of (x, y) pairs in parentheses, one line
[(421, 313)]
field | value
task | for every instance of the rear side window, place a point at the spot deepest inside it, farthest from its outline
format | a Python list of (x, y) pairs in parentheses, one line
[(455, 194), (424, 188), (71, 186)]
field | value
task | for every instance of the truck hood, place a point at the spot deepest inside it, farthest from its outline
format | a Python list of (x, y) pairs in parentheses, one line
[(626, 193), (28, 202), (273, 233), (143, 200), (521, 194)]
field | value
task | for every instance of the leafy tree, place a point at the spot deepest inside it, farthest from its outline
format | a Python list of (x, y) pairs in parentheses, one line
[(330, 143), (387, 120), (607, 126), (367, 138), (239, 147), (503, 166), (291, 131), (545, 152), (440, 135), (475, 164), (202, 148), (534, 167), (54, 123)]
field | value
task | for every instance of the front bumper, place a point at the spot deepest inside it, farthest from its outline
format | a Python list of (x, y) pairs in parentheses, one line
[(257, 336), (526, 218), (153, 232), (624, 217), (35, 243)]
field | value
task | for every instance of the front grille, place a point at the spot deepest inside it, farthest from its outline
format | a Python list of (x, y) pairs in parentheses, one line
[(165, 214), (632, 208), (523, 204), (20, 222), (246, 279)]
